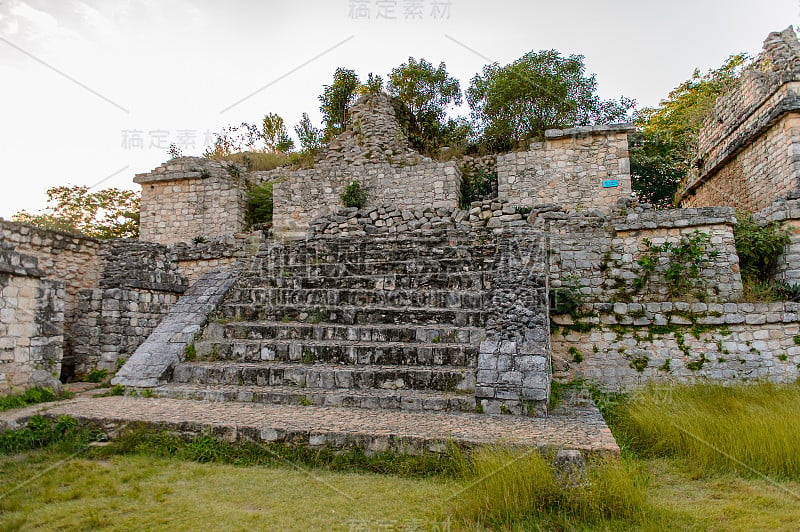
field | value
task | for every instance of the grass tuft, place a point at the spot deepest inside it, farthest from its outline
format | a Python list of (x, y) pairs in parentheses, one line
[(511, 490), (747, 429), (31, 396)]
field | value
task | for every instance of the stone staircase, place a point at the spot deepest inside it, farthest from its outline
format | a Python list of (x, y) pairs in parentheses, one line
[(372, 323)]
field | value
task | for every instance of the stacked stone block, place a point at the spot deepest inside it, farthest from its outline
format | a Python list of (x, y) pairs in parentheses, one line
[(626, 345), (189, 197), (599, 254), (31, 324), (579, 168)]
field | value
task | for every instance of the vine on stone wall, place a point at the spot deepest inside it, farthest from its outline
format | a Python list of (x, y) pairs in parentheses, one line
[(684, 261)]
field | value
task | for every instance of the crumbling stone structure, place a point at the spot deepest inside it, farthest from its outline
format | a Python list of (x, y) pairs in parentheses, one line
[(31, 323), (749, 147), (189, 197), (412, 303), (375, 151), (580, 168)]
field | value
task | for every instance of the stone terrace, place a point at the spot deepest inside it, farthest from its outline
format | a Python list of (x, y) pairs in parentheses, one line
[(581, 426)]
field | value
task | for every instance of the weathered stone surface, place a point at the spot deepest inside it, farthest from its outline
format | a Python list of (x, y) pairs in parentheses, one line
[(152, 363)]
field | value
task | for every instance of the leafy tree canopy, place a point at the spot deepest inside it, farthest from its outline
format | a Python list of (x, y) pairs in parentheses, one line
[(336, 100), (427, 91), (107, 213), (662, 150), (273, 131), (539, 91)]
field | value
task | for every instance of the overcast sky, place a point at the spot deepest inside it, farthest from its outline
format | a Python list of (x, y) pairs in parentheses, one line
[(83, 82)]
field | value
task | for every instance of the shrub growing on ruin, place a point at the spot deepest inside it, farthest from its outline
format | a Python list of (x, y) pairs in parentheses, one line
[(259, 207), (758, 246), (354, 195)]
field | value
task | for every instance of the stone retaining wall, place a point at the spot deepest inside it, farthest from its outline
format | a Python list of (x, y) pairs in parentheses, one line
[(195, 258), (189, 197), (579, 168), (599, 254), (625, 345), (787, 213), (514, 372), (31, 324), (137, 287)]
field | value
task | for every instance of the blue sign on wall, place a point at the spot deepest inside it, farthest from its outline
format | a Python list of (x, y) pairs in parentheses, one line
[(610, 183)]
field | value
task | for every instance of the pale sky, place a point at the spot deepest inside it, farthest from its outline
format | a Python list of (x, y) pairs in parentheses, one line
[(77, 77)]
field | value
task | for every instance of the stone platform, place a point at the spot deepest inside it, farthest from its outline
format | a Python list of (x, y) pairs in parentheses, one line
[(578, 426)]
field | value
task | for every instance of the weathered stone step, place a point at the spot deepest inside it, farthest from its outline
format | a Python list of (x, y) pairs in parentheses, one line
[(354, 315), (410, 400), (372, 431), (328, 376), (338, 352), (372, 252), (392, 281), (472, 299), (374, 267), (428, 334)]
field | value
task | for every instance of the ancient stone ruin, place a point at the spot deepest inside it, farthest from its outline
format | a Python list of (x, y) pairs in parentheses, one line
[(411, 303)]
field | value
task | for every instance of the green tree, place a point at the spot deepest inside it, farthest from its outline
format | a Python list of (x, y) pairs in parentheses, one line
[(273, 131), (309, 136), (539, 91), (336, 100), (107, 213), (427, 91), (662, 150)]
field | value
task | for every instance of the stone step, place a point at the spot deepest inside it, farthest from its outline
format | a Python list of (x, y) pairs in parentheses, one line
[(372, 431), (372, 267), (408, 400), (371, 252), (427, 334), (354, 315), (337, 352), (392, 281), (360, 297), (328, 376)]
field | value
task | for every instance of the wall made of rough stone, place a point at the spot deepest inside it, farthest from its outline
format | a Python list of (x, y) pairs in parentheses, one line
[(599, 254), (194, 259), (568, 169), (137, 287), (31, 324), (627, 345), (113, 322), (191, 197), (767, 168), (305, 195)]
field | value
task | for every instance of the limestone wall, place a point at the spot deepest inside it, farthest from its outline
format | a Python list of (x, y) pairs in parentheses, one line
[(31, 324), (625, 345), (569, 168), (749, 146), (138, 285), (189, 197), (373, 150), (600, 254), (194, 259)]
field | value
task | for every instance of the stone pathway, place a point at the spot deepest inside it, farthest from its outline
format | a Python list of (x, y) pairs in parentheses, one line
[(581, 427)]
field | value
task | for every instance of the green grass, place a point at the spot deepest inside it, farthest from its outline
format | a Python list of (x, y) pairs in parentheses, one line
[(746, 429), (31, 396), (665, 481), (508, 490)]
